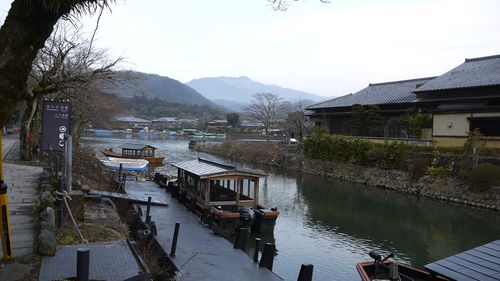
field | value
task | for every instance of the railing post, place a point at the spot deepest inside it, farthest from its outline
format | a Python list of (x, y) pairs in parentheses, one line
[(174, 241), (306, 272), (257, 249), (267, 258), (82, 264), (148, 209), (241, 239)]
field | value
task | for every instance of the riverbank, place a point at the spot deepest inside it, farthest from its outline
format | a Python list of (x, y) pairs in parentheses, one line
[(447, 189)]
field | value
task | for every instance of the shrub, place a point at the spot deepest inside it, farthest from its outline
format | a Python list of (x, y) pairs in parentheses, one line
[(436, 172), (417, 168), (483, 177)]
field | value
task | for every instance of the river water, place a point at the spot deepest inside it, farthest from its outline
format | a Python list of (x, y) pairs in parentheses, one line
[(333, 225)]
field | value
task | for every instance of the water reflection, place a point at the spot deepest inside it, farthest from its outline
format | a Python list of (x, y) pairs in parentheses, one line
[(333, 225)]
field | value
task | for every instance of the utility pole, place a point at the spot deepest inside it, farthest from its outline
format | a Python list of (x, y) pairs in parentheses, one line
[(4, 212)]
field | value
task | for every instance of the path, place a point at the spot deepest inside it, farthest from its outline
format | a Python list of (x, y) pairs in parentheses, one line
[(201, 255), (22, 182)]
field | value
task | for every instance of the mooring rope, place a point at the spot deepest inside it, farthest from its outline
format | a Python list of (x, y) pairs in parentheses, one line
[(63, 196)]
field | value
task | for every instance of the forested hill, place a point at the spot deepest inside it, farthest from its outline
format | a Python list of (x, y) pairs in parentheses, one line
[(153, 108), (153, 85)]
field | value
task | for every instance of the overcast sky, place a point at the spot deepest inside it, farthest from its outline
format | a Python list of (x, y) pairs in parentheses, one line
[(327, 49)]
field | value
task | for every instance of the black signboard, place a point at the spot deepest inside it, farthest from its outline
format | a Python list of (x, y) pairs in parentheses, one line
[(56, 123)]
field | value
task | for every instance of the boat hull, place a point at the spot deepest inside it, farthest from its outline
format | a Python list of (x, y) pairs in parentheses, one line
[(265, 220), (366, 270), (152, 160)]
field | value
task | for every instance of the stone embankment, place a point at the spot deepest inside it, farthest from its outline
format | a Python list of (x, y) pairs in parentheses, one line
[(446, 189)]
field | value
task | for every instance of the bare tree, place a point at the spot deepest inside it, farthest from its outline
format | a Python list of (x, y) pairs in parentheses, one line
[(282, 5), (26, 28), (296, 119), (66, 65), (265, 108)]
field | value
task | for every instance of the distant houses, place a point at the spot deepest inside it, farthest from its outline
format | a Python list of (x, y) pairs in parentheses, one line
[(130, 122), (457, 102)]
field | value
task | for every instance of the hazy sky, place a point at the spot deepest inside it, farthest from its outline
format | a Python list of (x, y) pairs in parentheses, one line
[(327, 49)]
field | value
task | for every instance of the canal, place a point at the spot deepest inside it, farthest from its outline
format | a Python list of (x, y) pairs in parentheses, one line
[(333, 225)]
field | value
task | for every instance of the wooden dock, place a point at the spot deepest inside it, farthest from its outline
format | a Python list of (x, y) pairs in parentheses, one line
[(201, 255)]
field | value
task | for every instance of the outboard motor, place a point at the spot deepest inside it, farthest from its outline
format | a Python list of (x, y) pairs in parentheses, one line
[(246, 217)]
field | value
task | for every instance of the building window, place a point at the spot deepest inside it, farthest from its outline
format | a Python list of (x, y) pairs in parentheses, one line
[(488, 126)]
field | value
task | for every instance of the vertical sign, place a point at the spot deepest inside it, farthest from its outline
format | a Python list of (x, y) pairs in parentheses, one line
[(56, 123)]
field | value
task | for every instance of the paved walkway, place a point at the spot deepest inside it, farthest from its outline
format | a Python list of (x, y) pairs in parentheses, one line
[(22, 182), (201, 255)]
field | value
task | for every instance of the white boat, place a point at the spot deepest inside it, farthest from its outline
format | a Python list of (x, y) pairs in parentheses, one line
[(113, 163)]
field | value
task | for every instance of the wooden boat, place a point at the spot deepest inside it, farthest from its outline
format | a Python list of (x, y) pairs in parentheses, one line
[(380, 269), (137, 165), (225, 197), (135, 151)]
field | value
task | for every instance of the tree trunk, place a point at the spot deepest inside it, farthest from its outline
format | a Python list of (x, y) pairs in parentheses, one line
[(267, 133), (22, 35), (27, 135)]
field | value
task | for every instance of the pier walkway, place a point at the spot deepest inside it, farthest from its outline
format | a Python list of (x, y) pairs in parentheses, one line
[(201, 255)]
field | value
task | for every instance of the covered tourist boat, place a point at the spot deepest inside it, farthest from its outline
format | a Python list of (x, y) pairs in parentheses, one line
[(224, 196), (135, 151)]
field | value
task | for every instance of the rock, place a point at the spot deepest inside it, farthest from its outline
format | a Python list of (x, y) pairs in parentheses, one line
[(46, 200), (47, 243), (45, 186), (48, 218)]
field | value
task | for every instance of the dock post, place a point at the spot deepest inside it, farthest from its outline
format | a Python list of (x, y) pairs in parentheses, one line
[(267, 258), (60, 203), (241, 239), (306, 272), (257, 248), (82, 264), (174, 241), (148, 209)]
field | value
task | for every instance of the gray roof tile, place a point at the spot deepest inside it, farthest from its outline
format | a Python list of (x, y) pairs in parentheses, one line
[(135, 146), (205, 168), (477, 72), (380, 93)]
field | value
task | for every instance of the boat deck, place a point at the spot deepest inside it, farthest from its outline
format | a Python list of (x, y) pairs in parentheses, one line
[(201, 255)]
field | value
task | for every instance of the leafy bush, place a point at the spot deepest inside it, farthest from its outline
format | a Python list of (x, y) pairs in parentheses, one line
[(436, 171), (483, 177), (356, 151)]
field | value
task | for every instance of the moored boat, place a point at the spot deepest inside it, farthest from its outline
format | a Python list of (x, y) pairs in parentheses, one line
[(136, 151), (136, 165), (224, 196), (387, 269)]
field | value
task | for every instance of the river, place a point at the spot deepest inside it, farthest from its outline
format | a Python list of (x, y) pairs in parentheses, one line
[(333, 225)]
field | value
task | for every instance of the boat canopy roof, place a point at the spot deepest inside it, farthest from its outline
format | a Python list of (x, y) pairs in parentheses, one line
[(208, 169), (135, 146)]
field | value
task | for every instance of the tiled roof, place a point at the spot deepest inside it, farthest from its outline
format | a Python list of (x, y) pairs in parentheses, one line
[(136, 146), (477, 72), (131, 119), (166, 119), (380, 93), (205, 168)]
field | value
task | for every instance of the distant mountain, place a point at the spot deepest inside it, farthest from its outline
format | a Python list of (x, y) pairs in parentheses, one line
[(242, 89), (153, 85), (231, 106)]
